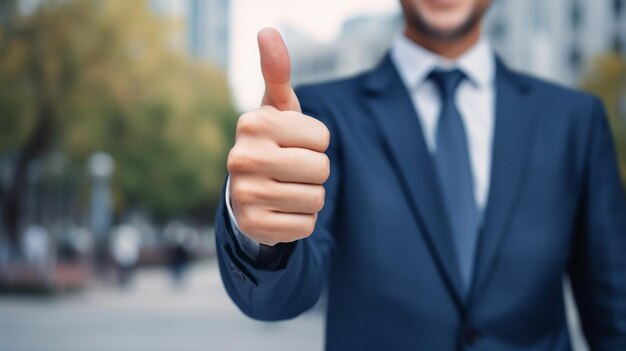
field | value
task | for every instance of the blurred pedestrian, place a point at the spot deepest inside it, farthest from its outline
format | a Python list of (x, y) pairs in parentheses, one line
[(179, 257), (36, 247), (180, 239), (125, 248)]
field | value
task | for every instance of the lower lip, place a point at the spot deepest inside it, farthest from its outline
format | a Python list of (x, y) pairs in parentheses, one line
[(443, 3)]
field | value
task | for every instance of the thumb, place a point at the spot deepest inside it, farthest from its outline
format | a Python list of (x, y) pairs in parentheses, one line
[(275, 65)]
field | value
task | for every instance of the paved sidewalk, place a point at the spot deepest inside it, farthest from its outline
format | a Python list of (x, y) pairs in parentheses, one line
[(151, 315)]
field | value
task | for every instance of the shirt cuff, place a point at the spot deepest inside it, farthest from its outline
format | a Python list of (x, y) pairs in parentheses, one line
[(247, 245)]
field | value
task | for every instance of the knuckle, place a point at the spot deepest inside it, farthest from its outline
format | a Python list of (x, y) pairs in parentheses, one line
[(232, 162), (306, 227), (319, 198), (325, 138), (242, 160), (263, 118), (243, 193), (324, 168), (250, 123), (309, 225)]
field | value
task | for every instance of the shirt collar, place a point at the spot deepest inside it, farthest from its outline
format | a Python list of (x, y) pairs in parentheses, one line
[(414, 63)]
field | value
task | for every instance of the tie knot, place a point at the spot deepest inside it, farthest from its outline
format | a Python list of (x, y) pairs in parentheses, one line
[(447, 81)]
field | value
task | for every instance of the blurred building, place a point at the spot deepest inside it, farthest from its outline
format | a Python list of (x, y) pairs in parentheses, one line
[(361, 44), (11, 8), (174, 14), (556, 39), (208, 30), (553, 39), (198, 27)]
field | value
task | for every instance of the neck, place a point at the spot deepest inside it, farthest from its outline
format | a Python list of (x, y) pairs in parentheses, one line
[(451, 48)]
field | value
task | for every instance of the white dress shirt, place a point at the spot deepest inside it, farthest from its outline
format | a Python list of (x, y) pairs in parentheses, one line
[(475, 100)]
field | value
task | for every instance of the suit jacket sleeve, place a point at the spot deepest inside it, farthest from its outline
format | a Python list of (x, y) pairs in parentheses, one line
[(294, 280), (598, 266)]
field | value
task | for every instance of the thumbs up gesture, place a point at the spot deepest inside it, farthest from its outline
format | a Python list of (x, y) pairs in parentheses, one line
[(277, 165)]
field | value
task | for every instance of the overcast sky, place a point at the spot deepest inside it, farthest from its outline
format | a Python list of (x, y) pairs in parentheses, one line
[(321, 19)]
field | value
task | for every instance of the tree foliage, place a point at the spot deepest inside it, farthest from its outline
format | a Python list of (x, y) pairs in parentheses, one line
[(80, 76)]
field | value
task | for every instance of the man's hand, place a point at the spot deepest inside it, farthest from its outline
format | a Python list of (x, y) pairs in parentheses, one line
[(277, 165)]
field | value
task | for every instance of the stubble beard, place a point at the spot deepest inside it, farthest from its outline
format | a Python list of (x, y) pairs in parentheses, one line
[(417, 22)]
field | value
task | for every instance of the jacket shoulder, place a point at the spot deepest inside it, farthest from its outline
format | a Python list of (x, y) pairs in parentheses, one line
[(555, 92)]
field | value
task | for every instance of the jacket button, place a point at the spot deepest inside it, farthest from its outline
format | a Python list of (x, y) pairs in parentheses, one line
[(470, 335)]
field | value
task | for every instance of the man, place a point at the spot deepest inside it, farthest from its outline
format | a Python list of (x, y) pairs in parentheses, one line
[(457, 195)]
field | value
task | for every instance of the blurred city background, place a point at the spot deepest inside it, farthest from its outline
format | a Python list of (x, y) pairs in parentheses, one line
[(115, 121)]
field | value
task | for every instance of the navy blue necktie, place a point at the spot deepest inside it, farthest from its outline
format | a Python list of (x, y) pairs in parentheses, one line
[(455, 172)]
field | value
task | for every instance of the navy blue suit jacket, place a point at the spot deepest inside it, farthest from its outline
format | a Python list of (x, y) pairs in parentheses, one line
[(382, 245)]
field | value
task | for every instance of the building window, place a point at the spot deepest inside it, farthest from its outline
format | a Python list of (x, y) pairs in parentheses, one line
[(618, 38), (575, 58), (498, 30), (618, 6), (576, 15)]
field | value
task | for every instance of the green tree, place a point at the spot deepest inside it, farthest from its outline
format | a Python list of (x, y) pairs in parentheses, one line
[(84, 75), (607, 79)]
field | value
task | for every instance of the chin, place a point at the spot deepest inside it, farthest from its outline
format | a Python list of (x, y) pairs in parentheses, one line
[(446, 22), (443, 18)]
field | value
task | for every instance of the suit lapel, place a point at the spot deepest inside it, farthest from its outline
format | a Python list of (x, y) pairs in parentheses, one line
[(513, 136), (406, 148)]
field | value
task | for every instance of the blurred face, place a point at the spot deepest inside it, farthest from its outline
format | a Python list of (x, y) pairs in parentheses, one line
[(444, 19)]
